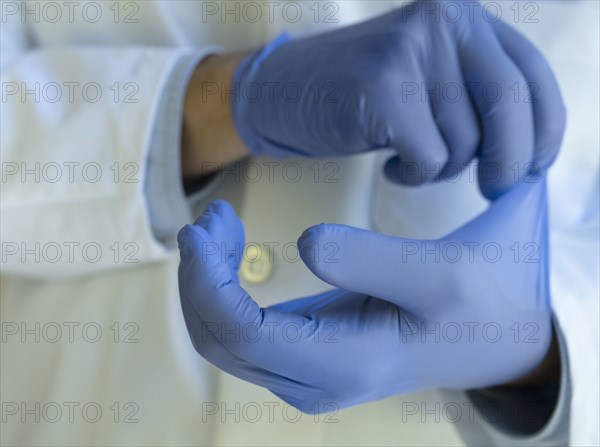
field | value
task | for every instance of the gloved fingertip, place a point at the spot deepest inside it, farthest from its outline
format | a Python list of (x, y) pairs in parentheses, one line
[(183, 241), (204, 219), (311, 235), (183, 235), (493, 190), (391, 163), (305, 244), (391, 170), (220, 207), (306, 234), (490, 193), (189, 233), (413, 173)]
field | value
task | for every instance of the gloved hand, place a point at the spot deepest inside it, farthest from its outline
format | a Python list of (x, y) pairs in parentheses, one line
[(491, 95), (466, 311)]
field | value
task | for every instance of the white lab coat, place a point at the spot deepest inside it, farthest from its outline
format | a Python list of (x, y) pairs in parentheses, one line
[(159, 381)]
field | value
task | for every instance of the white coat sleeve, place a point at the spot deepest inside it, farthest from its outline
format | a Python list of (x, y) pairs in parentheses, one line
[(87, 135)]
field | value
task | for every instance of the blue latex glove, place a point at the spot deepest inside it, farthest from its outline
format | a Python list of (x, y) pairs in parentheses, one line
[(401, 319), (364, 87)]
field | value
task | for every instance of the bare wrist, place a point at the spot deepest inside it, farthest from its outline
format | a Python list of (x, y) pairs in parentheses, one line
[(209, 137)]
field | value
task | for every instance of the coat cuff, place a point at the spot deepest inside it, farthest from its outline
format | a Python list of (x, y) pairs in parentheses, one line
[(168, 205), (508, 419)]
